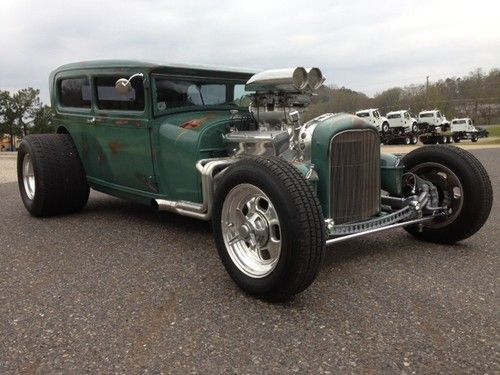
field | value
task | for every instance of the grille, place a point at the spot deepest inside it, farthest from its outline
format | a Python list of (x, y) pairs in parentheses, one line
[(355, 175)]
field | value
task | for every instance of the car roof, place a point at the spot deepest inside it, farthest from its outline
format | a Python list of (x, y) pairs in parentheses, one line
[(399, 111), (150, 65), (366, 110)]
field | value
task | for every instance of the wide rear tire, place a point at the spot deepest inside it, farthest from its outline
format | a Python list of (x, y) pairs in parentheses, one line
[(50, 174), (463, 185), (272, 248)]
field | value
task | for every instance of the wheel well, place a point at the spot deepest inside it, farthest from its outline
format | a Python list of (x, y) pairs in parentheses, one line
[(62, 130)]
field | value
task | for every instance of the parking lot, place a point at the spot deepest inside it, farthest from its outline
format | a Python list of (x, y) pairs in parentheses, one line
[(120, 288)]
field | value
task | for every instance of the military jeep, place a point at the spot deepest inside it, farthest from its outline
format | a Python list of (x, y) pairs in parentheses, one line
[(230, 146)]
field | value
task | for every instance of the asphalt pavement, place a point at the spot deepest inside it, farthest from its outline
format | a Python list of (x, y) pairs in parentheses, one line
[(120, 288)]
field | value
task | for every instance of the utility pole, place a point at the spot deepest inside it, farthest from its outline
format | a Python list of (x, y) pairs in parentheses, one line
[(426, 92)]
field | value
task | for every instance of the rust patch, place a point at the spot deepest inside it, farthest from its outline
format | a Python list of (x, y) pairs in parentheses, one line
[(85, 147), (195, 123), (116, 147), (101, 158), (147, 182)]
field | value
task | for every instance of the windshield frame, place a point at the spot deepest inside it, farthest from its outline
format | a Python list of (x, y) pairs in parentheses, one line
[(201, 79)]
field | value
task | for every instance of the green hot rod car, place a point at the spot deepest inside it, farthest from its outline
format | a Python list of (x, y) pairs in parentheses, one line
[(230, 146)]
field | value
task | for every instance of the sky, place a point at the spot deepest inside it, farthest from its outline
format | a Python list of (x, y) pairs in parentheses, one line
[(367, 46)]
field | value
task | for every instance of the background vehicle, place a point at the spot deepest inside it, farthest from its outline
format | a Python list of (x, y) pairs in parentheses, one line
[(435, 127), (278, 191), (373, 116), (403, 128), (463, 128), (433, 120)]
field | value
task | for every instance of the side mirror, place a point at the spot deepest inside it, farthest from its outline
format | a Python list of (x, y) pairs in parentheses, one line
[(123, 85)]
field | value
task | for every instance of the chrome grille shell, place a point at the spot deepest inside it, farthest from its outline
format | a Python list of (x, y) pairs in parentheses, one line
[(355, 175)]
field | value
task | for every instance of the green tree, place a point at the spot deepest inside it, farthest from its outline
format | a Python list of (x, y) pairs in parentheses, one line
[(42, 121)]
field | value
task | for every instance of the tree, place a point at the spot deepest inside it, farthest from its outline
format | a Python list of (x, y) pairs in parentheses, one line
[(42, 122), (25, 104)]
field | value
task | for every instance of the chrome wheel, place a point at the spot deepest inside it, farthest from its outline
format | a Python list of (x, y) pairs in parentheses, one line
[(451, 193), (28, 177), (251, 230)]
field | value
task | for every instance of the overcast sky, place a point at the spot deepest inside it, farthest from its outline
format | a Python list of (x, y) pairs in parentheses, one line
[(364, 45)]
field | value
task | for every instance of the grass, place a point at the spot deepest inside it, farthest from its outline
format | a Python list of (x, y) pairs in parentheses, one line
[(493, 137), (493, 130)]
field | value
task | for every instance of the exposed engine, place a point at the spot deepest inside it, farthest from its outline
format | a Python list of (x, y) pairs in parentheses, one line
[(280, 99)]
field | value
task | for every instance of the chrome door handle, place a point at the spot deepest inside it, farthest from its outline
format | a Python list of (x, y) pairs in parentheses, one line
[(91, 120)]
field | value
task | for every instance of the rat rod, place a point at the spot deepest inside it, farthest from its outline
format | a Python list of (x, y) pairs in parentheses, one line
[(230, 146)]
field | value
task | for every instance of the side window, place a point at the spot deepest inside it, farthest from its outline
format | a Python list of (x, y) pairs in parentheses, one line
[(108, 98), (438, 114), (407, 116), (74, 92)]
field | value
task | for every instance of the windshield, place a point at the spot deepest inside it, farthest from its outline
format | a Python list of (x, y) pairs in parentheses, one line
[(172, 92)]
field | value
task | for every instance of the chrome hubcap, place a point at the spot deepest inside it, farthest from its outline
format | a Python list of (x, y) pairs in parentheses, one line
[(28, 177), (451, 192), (251, 230)]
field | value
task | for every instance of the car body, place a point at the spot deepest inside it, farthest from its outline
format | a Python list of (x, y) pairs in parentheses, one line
[(403, 120), (462, 125), (228, 145), (373, 116), (433, 120)]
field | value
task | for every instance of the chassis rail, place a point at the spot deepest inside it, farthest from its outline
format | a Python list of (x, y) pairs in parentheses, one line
[(359, 234)]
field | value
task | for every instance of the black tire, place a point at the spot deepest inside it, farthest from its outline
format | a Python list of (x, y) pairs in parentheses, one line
[(407, 140), (474, 138), (301, 221), (414, 127), (60, 180), (477, 192), (450, 139), (414, 140), (456, 139), (385, 127)]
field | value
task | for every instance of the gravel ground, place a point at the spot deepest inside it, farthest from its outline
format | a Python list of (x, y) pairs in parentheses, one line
[(8, 167), (119, 288)]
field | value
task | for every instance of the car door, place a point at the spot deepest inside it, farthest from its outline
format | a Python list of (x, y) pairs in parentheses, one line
[(122, 133)]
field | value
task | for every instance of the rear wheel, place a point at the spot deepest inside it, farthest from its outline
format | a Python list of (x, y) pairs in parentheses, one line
[(50, 175), (407, 140), (268, 227), (464, 188), (474, 138), (414, 140)]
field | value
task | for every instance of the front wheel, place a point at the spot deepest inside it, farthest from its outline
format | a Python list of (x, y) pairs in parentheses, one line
[(385, 127), (464, 189), (268, 227)]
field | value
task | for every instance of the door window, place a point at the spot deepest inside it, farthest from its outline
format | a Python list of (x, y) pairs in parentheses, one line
[(109, 98)]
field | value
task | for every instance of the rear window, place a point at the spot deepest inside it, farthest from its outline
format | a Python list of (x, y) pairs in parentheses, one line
[(109, 98), (428, 114), (363, 114), (74, 92)]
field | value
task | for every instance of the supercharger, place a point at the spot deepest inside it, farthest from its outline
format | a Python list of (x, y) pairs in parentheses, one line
[(278, 103)]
